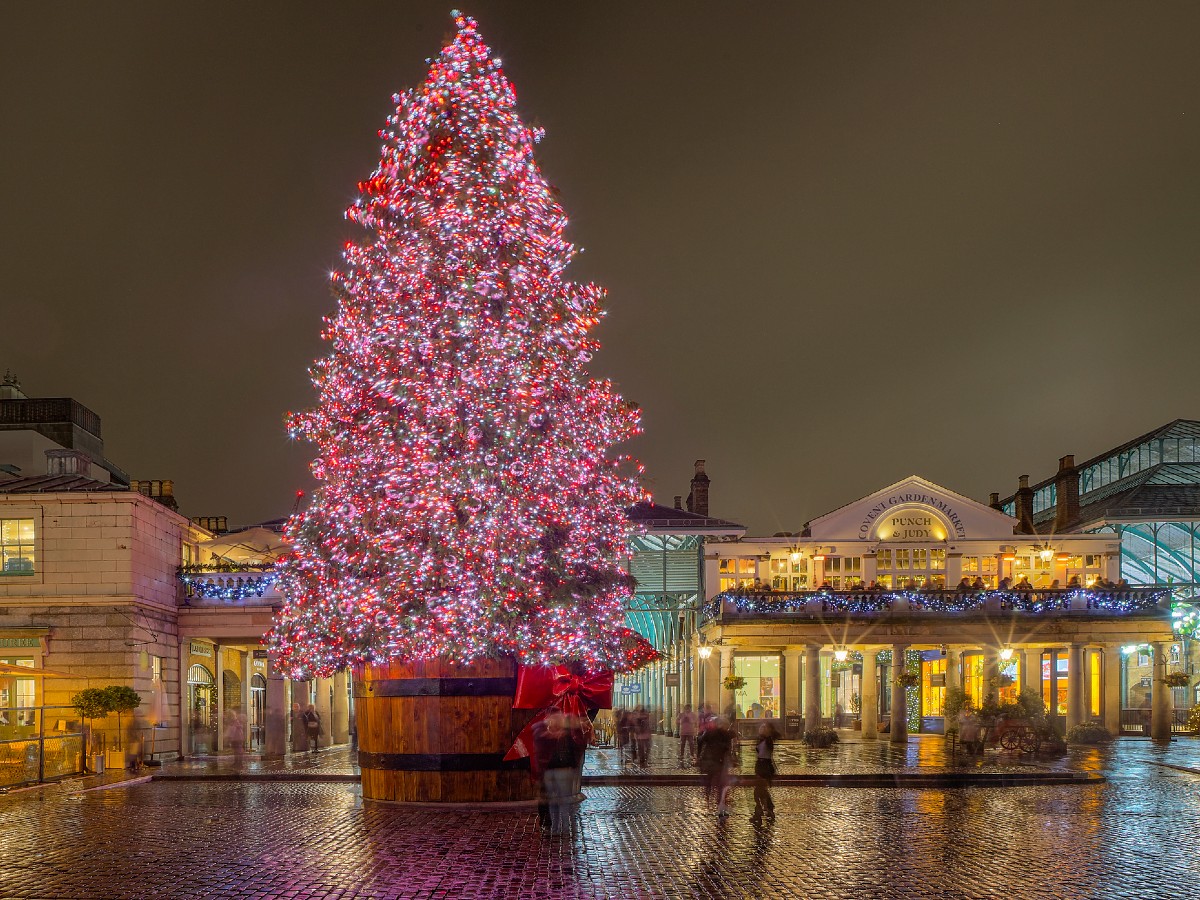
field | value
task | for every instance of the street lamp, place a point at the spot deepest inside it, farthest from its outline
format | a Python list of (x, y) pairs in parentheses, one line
[(704, 649), (1006, 654), (840, 654)]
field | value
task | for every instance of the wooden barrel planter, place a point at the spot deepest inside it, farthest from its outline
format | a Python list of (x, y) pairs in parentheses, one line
[(436, 732)]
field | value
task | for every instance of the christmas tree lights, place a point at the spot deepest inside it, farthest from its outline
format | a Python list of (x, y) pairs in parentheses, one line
[(468, 503)]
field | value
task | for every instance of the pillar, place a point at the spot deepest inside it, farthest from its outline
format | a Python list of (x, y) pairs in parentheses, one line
[(185, 710), (1160, 696), (275, 715), (953, 668), (219, 659), (792, 700), (726, 707), (1110, 684), (696, 680), (325, 710), (898, 730), (812, 687), (300, 696), (247, 674), (1076, 680), (1025, 679), (870, 695), (340, 730)]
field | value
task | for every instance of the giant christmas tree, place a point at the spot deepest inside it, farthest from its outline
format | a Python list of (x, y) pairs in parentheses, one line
[(468, 502)]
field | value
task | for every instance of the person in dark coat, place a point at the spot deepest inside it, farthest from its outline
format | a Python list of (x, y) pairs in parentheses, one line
[(715, 760), (560, 750), (764, 773)]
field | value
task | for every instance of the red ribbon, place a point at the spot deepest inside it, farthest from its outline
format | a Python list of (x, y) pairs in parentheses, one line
[(557, 689)]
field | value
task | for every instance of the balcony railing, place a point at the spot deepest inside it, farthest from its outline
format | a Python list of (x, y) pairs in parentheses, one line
[(228, 584), (884, 603)]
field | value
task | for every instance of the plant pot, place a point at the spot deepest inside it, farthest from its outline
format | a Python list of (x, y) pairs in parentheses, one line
[(114, 759), (98, 763)]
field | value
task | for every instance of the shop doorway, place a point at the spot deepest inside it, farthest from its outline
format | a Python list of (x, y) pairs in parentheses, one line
[(258, 711), (202, 710)]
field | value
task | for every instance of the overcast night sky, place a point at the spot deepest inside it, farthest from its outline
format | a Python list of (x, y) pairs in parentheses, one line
[(842, 243)]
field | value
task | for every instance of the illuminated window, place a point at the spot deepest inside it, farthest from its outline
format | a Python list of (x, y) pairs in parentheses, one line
[(883, 559), (760, 697), (16, 547), (1094, 663), (937, 559), (902, 559), (973, 678), (933, 687), (970, 565)]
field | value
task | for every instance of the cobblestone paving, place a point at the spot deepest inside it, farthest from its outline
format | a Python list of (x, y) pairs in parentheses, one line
[(1134, 836)]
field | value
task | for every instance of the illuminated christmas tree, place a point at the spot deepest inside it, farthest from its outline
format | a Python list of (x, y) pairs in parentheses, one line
[(468, 504)]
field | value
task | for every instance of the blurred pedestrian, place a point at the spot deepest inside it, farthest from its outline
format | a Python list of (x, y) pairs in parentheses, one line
[(623, 738), (642, 735), (764, 773), (561, 752), (687, 736), (715, 761), (312, 727), (235, 734)]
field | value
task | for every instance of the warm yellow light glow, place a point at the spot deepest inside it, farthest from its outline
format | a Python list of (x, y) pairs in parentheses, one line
[(820, 557), (1006, 654), (796, 556), (840, 655), (1047, 554), (705, 651)]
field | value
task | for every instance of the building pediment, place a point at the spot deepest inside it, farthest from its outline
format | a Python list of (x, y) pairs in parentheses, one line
[(913, 510)]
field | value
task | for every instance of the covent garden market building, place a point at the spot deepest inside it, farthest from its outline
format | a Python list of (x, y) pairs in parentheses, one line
[(871, 614)]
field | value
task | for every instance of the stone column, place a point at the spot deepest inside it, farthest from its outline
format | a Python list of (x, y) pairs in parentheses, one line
[(324, 709), (340, 730), (812, 686), (1075, 685), (792, 700), (1160, 696), (300, 695), (698, 669), (898, 730), (275, 738), (953, 668), (185, 709), (1025, 681), (726, 695), (219, 660), (870, 695), (1110, 684), (247, 674)]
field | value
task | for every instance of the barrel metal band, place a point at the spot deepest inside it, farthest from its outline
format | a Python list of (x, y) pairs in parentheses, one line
[(439, 762), (437, 687)]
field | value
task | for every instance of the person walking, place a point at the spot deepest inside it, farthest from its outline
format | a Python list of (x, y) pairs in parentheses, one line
[(642, 736), (687, 736), (715, 761), (561, 752), (312, 727), (764, 773)]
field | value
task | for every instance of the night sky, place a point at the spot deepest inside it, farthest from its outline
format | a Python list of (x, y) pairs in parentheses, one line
[(843, 243)]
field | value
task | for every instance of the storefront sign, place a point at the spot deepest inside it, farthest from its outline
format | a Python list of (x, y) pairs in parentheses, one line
[(908, 525), (671, 679), (20, 642), (937, 679), (634, 688), (198, 649), (261, 654)]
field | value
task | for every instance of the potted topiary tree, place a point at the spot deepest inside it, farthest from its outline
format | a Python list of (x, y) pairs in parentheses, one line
[(92, 703), (121, 699)]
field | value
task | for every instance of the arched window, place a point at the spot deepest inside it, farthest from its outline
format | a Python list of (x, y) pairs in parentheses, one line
[(198, 674)]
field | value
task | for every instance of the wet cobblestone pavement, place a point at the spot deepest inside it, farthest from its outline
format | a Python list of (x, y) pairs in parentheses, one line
[(1134, 836)]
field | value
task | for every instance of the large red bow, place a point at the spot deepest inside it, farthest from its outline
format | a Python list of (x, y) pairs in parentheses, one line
[(557, 689)]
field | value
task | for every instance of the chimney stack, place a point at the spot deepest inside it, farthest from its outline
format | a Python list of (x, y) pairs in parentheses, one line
[(698, 498), (1066, 490), (994, 500), (1023, 506), (679, 501)]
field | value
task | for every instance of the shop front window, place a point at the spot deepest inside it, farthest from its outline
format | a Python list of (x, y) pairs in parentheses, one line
[(1094, 664), (1055, 681), (1009, 677), (761, 695), (933, 687), (972, 664)]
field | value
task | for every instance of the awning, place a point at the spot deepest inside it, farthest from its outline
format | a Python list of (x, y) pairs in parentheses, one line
[(26, 672)]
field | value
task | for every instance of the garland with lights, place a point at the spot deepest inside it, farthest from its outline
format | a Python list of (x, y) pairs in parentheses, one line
[(468, 505), (230, 589)]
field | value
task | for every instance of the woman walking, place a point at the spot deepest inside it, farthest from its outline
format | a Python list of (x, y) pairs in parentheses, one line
[(764, 773)]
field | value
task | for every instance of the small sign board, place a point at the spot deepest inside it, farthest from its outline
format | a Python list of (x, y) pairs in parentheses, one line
[(198, 649), (671, 679), (635, 688), (260, 654), (937, 679)]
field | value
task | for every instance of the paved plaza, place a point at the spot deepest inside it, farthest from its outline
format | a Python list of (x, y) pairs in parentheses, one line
[(1131, 836)]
